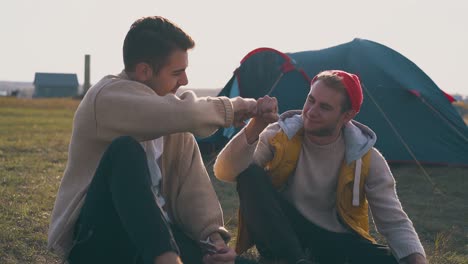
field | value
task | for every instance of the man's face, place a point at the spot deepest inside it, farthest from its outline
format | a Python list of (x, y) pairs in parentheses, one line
[(322, 113), (172, 75)]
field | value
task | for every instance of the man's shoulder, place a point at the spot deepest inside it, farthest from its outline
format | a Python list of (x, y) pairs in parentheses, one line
[(379, 170), (376, 154), (111, 87), (270, 131), (290, 124), (120, 84), (114, 83)]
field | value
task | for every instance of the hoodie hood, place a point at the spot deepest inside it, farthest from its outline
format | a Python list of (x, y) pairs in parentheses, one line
[(358, 138)]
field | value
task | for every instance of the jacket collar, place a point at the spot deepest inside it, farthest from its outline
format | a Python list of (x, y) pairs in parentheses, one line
[(359, 139)]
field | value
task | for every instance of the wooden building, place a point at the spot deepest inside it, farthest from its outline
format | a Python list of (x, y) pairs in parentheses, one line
[(55, 85)]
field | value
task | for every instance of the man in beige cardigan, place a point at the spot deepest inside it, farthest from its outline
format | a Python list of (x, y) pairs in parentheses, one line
[(135, 189)]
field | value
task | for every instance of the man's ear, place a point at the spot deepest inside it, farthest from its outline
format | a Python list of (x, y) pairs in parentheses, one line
[(348, 115), (143, 72)]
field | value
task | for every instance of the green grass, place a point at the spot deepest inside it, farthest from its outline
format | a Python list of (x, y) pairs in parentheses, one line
[(34, 137)]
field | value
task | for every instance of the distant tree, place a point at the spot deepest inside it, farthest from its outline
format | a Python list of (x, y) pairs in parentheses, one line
[(15, 93), (458, 97)]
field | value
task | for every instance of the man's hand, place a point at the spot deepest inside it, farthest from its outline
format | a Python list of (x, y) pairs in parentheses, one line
[(267, 110), (267, 113), (244, 108), (415, 258), (225, 255)]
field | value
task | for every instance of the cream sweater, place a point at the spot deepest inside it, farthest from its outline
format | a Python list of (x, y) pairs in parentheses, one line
[(312, 188), (117, 106)]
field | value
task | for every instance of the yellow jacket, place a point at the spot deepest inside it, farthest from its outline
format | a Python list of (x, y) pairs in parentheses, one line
[(351, 202)]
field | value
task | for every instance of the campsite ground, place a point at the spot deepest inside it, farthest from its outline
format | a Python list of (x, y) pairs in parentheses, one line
[(34, 136)]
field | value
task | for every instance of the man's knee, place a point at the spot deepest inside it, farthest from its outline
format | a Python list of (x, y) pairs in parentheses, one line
[(254, 174), (253, 179), (124, 142), (125, 145)]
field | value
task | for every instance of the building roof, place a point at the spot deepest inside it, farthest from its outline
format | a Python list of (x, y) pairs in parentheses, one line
[(56, 79)]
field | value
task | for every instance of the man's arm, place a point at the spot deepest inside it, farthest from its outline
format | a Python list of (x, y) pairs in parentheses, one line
[(267, 113), (224, 255), (245, 147), (130, 108), (390, 219), (414, 258)]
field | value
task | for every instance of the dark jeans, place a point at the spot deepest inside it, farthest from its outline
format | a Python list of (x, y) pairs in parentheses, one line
[(120, 221), (281, 232)]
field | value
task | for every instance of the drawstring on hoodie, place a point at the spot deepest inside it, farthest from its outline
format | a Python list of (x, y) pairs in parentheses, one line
[(357, 181)]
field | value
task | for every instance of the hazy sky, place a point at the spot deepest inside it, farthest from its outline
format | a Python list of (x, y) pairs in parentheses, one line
[(54, 35)]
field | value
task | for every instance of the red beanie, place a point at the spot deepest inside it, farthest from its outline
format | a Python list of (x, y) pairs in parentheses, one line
[(353, 87)]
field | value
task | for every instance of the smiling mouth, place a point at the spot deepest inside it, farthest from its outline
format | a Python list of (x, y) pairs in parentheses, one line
[(312, 120)]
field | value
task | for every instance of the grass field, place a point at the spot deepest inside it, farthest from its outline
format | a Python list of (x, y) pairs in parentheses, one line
[(34, 136)]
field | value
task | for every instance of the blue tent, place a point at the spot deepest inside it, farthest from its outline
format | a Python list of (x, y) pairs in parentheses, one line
[(413, 118)]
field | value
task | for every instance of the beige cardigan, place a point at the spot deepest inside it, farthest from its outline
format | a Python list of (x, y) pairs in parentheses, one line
[(117, 106)]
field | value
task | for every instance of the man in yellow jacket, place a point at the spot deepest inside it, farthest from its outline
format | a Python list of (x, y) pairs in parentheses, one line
[(135, 189), (306, 182)]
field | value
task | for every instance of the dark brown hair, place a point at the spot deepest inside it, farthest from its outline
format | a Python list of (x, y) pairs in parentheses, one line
[(152, 40)]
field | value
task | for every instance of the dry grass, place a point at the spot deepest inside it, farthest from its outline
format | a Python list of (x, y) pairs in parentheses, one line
[(40, 103), (34, 137)]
